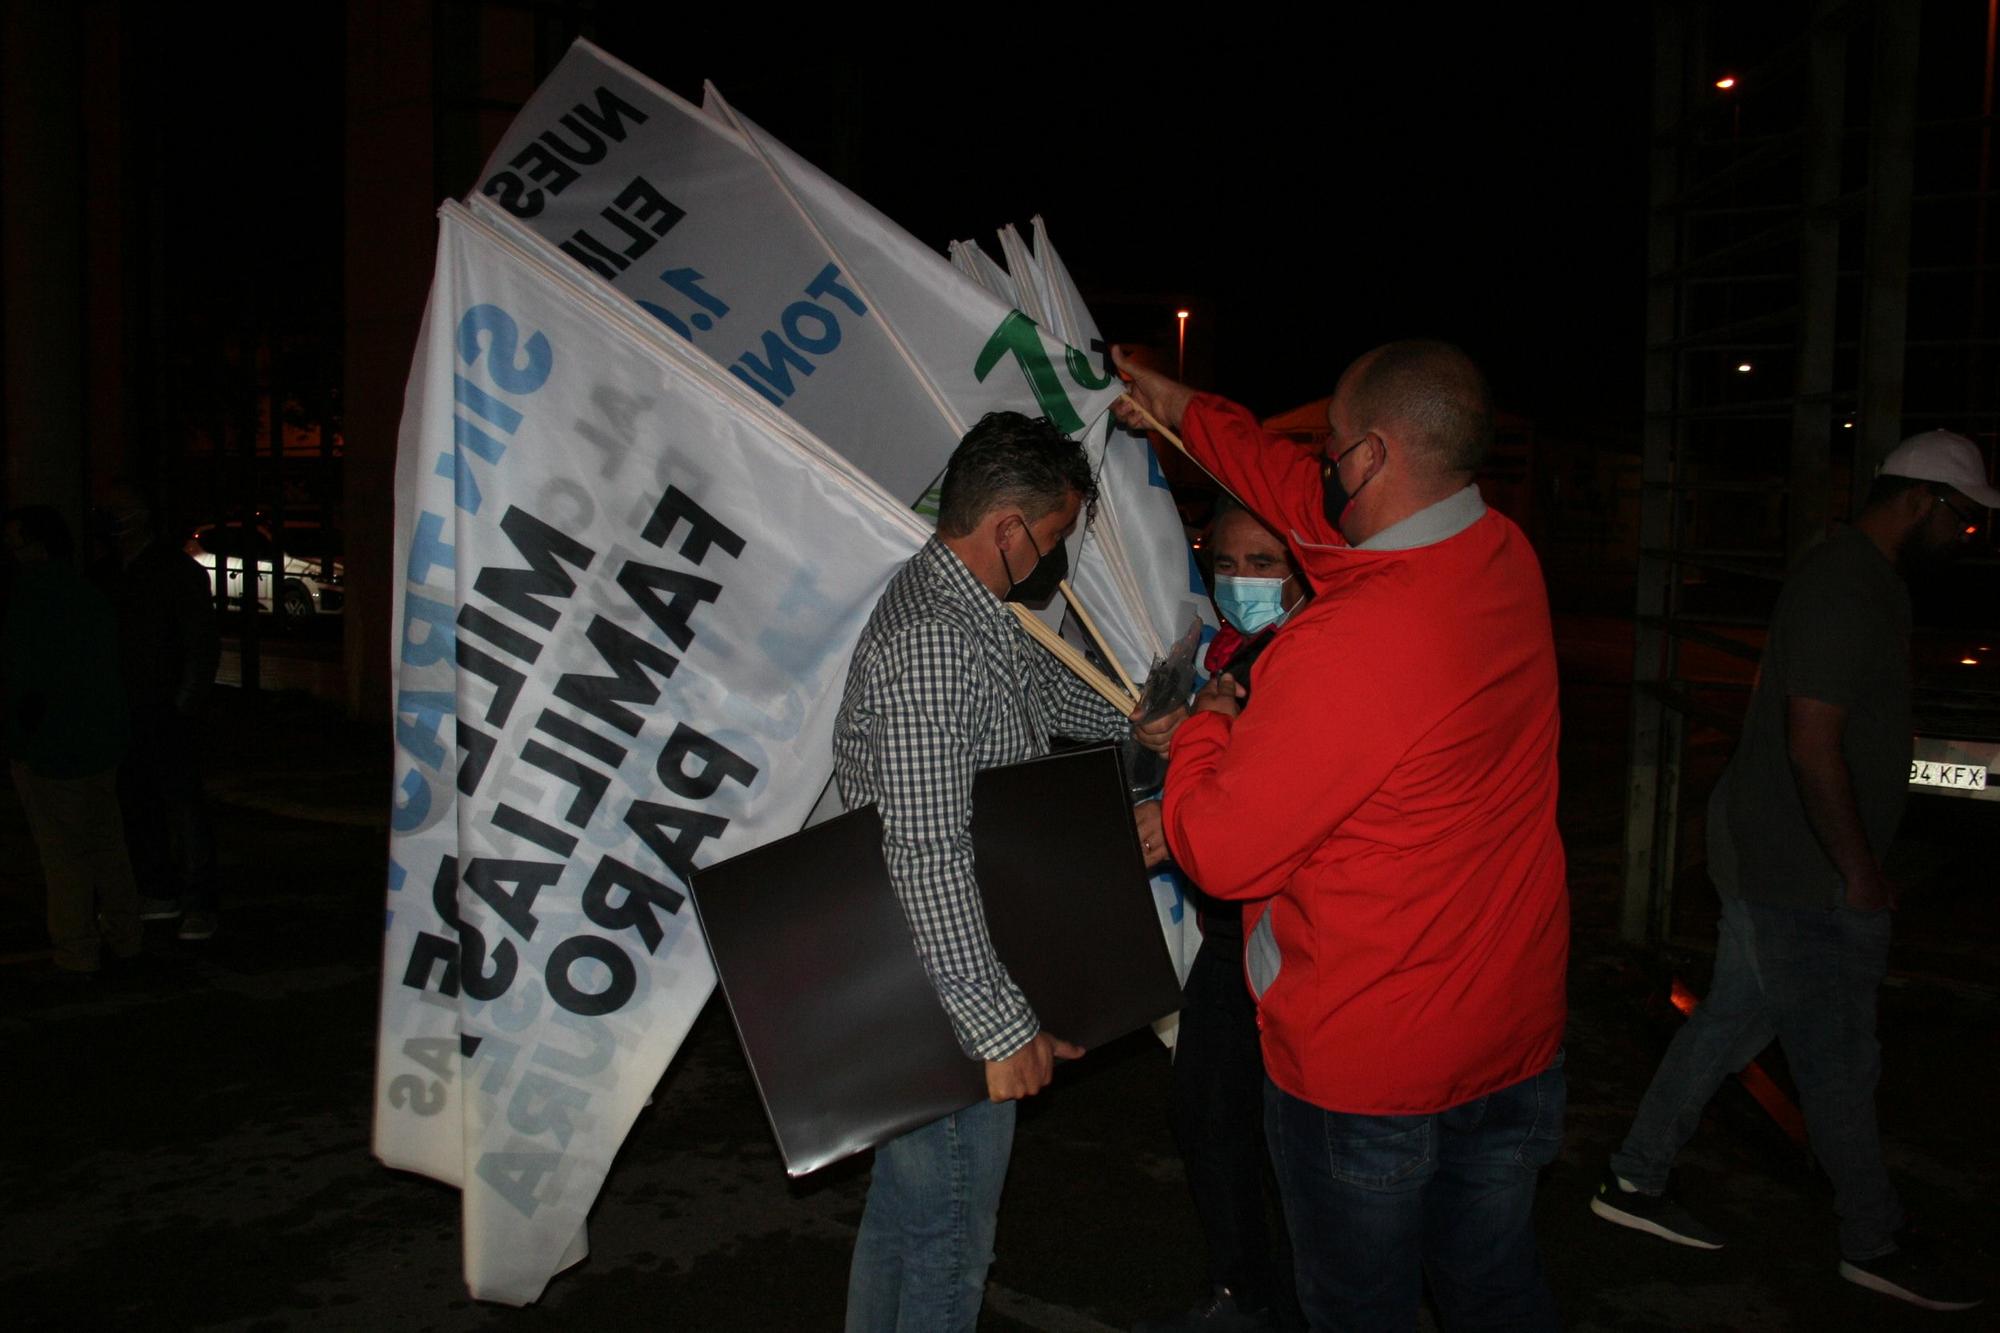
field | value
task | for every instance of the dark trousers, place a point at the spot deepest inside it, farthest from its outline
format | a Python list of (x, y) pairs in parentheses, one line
[(1810, 977), (1379, 1203), (1218, 1116), (166, 816)]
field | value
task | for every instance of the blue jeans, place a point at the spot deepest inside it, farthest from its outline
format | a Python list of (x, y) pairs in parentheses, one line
[(1809, 977), (926, 1236), (1377, 1203)]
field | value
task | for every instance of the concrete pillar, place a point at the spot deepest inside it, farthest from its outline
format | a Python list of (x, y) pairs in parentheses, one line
[(391, 241), (1809, 483), (42, 255), (1885, 294), (429, 93), (1649, 834)]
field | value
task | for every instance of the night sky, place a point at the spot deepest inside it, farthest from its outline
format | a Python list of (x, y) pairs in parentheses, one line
[(1310, 191)]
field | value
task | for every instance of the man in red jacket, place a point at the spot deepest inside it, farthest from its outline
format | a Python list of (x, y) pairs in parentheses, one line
[(1389, 810)]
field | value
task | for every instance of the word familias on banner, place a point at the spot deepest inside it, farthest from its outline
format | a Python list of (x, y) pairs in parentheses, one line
[(618, 896)]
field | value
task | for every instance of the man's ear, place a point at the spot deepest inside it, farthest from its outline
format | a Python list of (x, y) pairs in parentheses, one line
[(1378, 449)]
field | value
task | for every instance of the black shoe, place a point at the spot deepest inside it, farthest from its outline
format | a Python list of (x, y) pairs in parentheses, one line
[(1914, 1278), (159, 909), (1655, 1214), (1218, 1314), (198, 924)]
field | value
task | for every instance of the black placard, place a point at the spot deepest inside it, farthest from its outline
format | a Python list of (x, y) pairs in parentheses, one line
[(845, 1035)]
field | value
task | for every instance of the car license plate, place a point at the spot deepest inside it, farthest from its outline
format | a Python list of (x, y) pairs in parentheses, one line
[(1962, 777)]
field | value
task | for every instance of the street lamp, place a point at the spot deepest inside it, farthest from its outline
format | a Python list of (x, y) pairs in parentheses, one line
[(1180, 368)]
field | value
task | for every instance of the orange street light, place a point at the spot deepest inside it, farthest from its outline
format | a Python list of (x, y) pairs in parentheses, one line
[(1726, 82), (1180, 365)]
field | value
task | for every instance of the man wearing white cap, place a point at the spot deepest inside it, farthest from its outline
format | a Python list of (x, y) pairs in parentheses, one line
[(1797, 828)]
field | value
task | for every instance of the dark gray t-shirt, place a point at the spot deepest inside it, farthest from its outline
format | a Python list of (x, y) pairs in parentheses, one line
[(1841, 635)]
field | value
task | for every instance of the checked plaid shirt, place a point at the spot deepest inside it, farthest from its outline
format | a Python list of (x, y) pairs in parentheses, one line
[(944, 683)]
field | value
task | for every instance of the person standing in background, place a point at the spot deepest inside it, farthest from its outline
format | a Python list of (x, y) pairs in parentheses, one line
[(168, 650), (65, 729), (1797, 828)]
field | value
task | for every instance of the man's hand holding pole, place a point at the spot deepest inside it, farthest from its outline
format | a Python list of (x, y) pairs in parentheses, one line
[(1157, 735), (1150, 394)]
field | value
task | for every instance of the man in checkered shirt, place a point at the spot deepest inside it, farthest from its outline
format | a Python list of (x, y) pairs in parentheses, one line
[(944, 683)]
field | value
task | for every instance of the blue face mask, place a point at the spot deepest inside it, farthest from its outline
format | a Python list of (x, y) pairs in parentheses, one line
[(1252, 605)]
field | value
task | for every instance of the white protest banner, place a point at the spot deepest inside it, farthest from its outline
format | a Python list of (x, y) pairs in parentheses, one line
[(1135, 569), (805, 294), (1136, 562), (628, 593), (976, 264), (1028, 279), (1068, 315), (977, 353), (638, 186)]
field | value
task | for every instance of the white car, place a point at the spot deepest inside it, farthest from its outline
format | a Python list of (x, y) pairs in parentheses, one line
[(311, 585)]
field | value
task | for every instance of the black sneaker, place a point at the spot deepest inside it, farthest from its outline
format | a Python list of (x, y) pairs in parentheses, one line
[(159, 909), (1913, 1278), (1218, 1314), (1655, 1214)]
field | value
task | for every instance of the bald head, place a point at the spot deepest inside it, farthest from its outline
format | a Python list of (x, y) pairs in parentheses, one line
[(1426, 393)]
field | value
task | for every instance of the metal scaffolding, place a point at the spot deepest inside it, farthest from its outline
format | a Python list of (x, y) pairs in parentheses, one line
[(1817, 265)]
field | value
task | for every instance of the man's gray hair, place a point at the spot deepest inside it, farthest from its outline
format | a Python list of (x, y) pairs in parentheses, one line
[(1011, 461)]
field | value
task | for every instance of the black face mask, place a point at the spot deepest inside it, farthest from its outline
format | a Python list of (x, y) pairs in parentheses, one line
[(1335, 497), (1921, 556), (1051, 568)]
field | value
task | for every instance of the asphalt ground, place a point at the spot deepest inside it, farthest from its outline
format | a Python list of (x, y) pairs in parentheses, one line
[(188, 1144)]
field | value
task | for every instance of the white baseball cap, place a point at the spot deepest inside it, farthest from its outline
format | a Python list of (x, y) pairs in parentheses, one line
[(1946, 456)]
